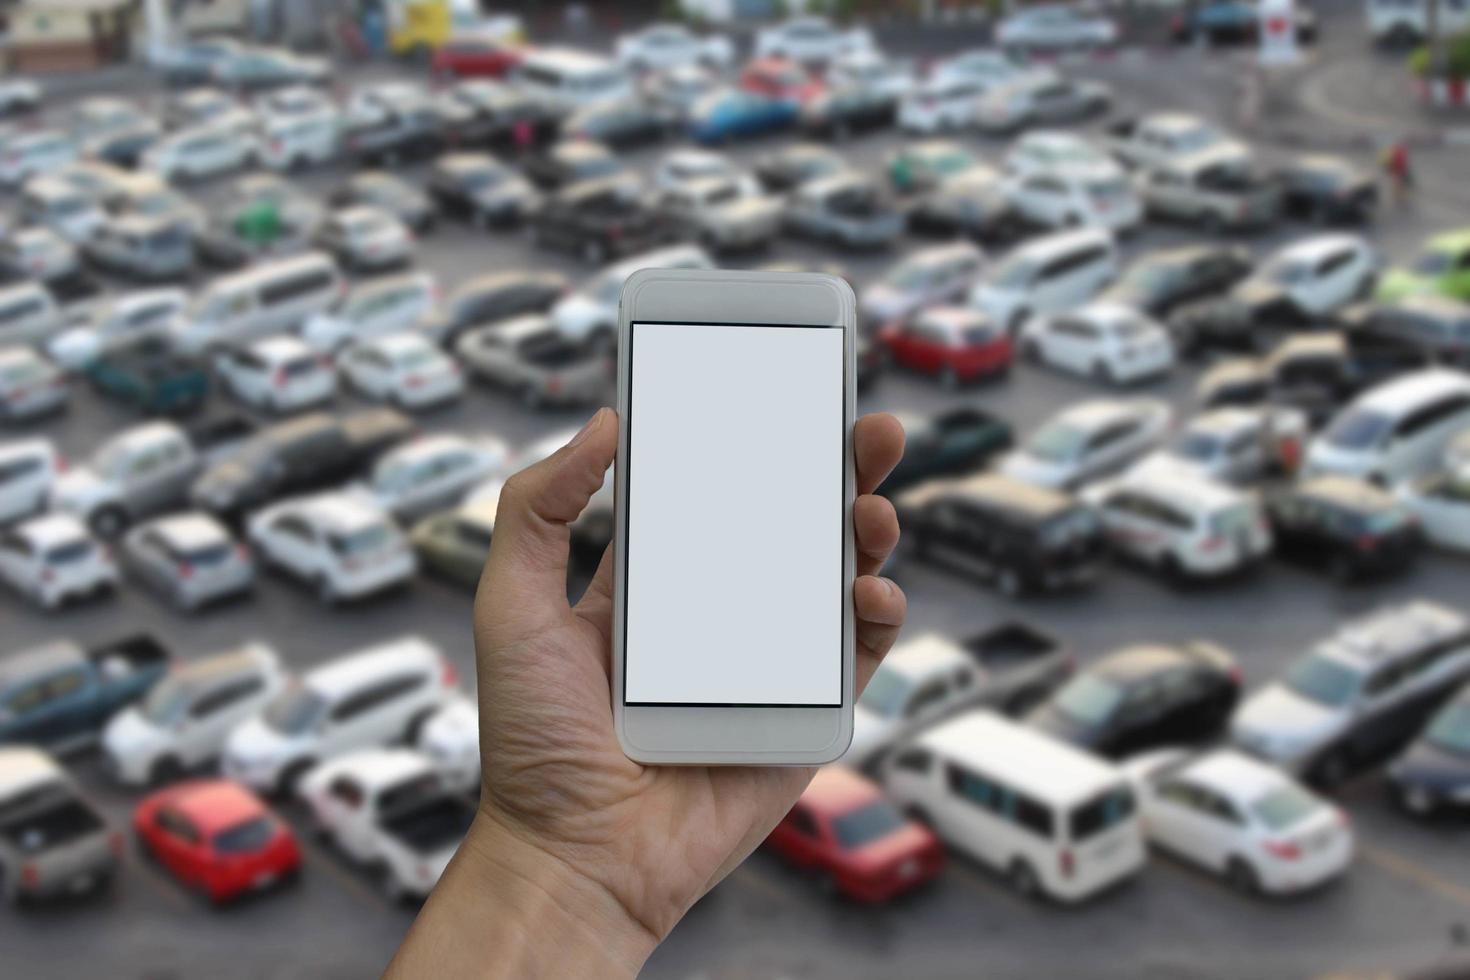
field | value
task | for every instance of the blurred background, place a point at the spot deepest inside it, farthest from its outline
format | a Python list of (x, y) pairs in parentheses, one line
[(1169, 295)]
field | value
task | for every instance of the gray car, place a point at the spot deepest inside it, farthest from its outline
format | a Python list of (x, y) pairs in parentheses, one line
[(53, 843), (143, 247), (528, 356), (849, 209), (190, 559)]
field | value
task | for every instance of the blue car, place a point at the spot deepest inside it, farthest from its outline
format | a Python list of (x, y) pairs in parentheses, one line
[(731, 114), (1233, 22)]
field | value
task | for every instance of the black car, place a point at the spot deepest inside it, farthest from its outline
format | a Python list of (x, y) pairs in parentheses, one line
[(1318, 372), (307, 453), (394, 136), (954, 442), (1433, 322), (1143, 697), (839, 112), (125, 147), (1160, 282), (600, 220), (1433, 773), (479, 189), (572, 162), (503, 119), (973, 203), (1327, 189), (796, 164), (392, 194), (1240, 381), (619, 125), (1348, 527), (498, 296), (1018, 536)]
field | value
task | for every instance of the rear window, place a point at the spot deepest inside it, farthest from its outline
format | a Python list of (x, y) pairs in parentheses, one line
[(408, 793), (1359, 429), (69, 553), (247, 837), (215, 554), (359, 542), (1103, 813), (1285, 806), (1323, 680), (867, 824)]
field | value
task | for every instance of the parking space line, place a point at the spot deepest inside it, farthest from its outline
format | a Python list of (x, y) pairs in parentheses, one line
[(1401, 867), (332, 864), (161, 883), (763, 883), (980, 883)]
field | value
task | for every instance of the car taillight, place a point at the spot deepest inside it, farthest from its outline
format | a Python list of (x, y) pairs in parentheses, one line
[(30, 876), (242, 551), (413, 381), (1066, 863), (1236, 677), (450, 676), (279, 378), (553, 386), (1366, 542), (1286, 850), (185, 569), (62, 464)]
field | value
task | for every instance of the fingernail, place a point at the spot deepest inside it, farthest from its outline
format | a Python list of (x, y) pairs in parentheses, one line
[(586, 430)]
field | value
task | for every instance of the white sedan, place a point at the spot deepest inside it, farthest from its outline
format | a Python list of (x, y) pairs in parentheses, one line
[(1242, 819), (54, 558), (1113, 344), (1054, 29), (1087, 440), (30, 385), (433, 472), (406, 369), (280, 373), (338, 543), (374, 308), (664, 46), (810, 39), (204, 151)]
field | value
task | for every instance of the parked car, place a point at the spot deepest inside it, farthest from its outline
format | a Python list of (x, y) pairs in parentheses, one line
[(18, 96), (30, 385), (472, 54), (1242, 819), (1056, 822), (1327, 189), (1440, 503), (662, 46), (1358, 695), (365, 239), (940, 103), (1053, 28), (599, 220), (924, 278), (407, 370), (270, 297), (1039, 99), (974, 203), (1089, 439), (27, 153), (361, 699), (146, 374), (29, 314), (339, 544), (728, 114), (55, 843), (1395, 431), (408, 132), (374, 308), (498, 296), (1218, 188), (925, 165), (389, 807), (390, 193), (53, 559), (845, 109), (848, 209), (793, 164), (953, 442), (530, 358), (1110, 343), (570, 162), (813, 40), (1436, 324), (1442, 266), (200, 152), (1235, 444), (475, 187), (59, 695), (987, 66), (1219, 22), (297, 139), (258, 67), (845, 831), (139, 471), (620, 125), (1046, 150), (451, 740), (433, 472), (1018, 536), (1143, 697), (589, 315), (928, 678), (954, 343), (189, 559), (722, 214), (454, 542), (281, 374), (143, 247), (1048, 274), (1431, 773), (28, 467), (1159, 282), (52, 202), (1162, 138), (1097, 198), (1346, 526)]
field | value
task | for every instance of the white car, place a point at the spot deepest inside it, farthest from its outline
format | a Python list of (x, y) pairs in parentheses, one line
[(26, 153), (1439, 501), (182, 723), (365, 238), (1054, 28), (1077, 197), (73, 212), (1165, 137), (341, 545), (870, 71), (1235, 444), (294, 140), (282, 374), (1087, 440), (1317, 276), (687, 165), (938, 104), (139, 471), (434, 472), (198, 106), (1186, 526), (27, 469), (29, 313), (451, 740), (1047, 150), (406, 369), (590, 314), (1032, 100), (30, 385), (1242, 819), (19, 95), (937, 275), (189, 558), (986, 67), (204, 151), (149, 312), (1395, 431), (54, 558), (389, 807), (1048, 274), (39, 253), (1113, 344), (294, 100), (810, 39), (663, 46), (373, 309), (362, 699)]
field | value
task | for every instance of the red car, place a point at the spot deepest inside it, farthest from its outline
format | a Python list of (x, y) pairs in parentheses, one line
[(476, 57), (216, 836), (954, 342), (846, 830), (780, 78)]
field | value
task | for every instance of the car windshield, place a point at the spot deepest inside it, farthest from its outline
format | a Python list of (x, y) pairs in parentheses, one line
[(211, 554), (1323, 680), (1012, 273), (1432, 262), (294, 711), (1359, 430), (886, 693), (1283, 807), (1058, 442), (1201, 447), (1076, 524), (1089, 698), (1285, 272), (1195, 139), (70, 552), (365, 540), (23, 372), (165, 704), (1450, 729), (247, 837), (866, 824)]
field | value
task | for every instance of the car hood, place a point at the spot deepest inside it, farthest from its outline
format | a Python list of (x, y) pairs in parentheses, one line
[(578, 311), (79, 486), (1278, 713), (129, 733), (254, 743), (1429, 765)]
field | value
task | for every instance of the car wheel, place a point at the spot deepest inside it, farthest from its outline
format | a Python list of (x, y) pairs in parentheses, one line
[(1333, 768), (165, 771), (1023, 879), (1008, 583), (290, 777), (108, 522), (1242, 877)]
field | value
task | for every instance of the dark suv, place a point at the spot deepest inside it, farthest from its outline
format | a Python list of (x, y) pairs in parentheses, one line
[(600, 220)]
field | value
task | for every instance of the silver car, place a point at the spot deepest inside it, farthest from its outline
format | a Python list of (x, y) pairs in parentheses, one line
[(190, 559), (53, 843), (144, 247), (29, 384), (848, 208), (528, 356)]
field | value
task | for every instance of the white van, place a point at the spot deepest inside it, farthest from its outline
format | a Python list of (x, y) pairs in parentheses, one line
[(1049, 274), (270, 298), (28, 314), (567, 79), (1056, 821), (1405, 22), (373, 697), (1396, 431)]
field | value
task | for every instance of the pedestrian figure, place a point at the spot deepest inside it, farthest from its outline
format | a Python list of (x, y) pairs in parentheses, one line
[(1399, 171)]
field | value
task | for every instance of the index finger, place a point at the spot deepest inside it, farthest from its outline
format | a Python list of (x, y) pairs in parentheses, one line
[(877, 445)]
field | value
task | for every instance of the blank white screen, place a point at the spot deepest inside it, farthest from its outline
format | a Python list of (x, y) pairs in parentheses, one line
[(734, 571)]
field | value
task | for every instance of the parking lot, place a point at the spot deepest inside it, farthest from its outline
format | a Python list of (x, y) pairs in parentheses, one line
[(1394, 910)]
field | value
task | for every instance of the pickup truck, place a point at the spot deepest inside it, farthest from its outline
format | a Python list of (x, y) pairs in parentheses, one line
[(148, 375), (929, 677), (60, 695), (53, 843)]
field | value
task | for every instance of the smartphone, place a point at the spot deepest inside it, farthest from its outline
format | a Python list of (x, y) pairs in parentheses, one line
[(733, 624)]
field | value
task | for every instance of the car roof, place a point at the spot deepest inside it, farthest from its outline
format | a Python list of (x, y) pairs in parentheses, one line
[(249, 657), (48, 186), (378, 768), (519, 327), (836, 789), (1327, 342), (939, 253), (1043, 246), (922, 654), (1226, 421), (1239, 776), (343, 674), (1413, 389), (1101, 412), (35, 446), (1034, 502), (148, 432), (1037, 763), (406, 342), (44, 659), (953, 319), (340, 512), (1393, 631), (1433, 304), (1134, 663), (22, 767), (213, 805), (190, 530), (1174, 121), (1193, 492), (426, 447), (1346, 491), (50, 530), (457, 163), (1316, 246), (281, 347), (19, 355)]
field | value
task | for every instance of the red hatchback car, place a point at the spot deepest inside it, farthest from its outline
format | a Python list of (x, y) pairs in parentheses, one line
[(954, 342), (846, 830), (476, 57), (780, 78), (216, 836)]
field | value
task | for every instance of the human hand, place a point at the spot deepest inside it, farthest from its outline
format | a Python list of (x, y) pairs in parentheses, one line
[(567, 822)]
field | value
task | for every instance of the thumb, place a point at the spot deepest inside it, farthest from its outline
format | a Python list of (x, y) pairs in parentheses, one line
[(524, 586)]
